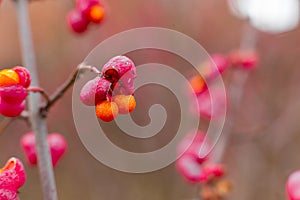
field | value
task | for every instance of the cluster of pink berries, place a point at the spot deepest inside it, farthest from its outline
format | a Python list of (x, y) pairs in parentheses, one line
[(13, 84), (86, 12), (194, 155), (57, 146), (209, 72), (112, 93), (12, 177)]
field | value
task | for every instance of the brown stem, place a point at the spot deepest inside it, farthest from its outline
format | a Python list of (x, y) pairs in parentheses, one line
[(65, 86)]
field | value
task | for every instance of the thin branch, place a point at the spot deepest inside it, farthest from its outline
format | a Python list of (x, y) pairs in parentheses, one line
[(41, 91), (68, 84), (38, 123)]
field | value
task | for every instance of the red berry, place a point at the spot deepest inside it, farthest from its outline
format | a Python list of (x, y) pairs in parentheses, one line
[(58, 146), (11, 110), (196, 145), (94, 91), (106, 110), (12, 175), (6, 194), (24, 76), (13, 94), (28, 145), (293, 186), (77, 21)]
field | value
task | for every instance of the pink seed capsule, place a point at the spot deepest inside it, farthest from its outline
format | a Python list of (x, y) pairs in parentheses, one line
[(116, 67), (190, 168), (125, 85), (27, 143), (58, 146), (214, 67), (24, 76), (195, 144), (12, 175), (77, 21), (6, 194), (95, 91), (293, 186), (11, 110), (212, 103), (214, 170), (85, 5), (13, 94)]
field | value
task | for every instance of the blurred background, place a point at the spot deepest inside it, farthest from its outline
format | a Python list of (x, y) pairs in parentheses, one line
[(264, 145)]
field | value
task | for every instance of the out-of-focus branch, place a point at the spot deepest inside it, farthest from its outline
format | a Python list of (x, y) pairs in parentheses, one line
[(236, 90), (37, 121)]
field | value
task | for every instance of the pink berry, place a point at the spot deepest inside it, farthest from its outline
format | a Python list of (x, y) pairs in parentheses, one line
[(214, 67), (116, 67), (125, 85), (196, 145), (214, 170), (293, 186), (85, 5), (247, 59), (13, 94), (190, 168), (212, 103), (6, 194), (58, 146), (24, 76), (95, 91), (11, 110), (28, 145), (12, 175), (77, 21)]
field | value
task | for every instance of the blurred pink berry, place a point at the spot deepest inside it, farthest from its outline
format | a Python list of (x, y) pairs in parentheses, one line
[(11, 110), (24, 76), (211, 69), (212, 103), (247, 59), (85, 5), (213, 170), (13, 94), (77, 21), (58, 146), (6, 194), (12, 175), (196, 145), (189, 167), (95, 91), (293, 186), (28, 145)]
